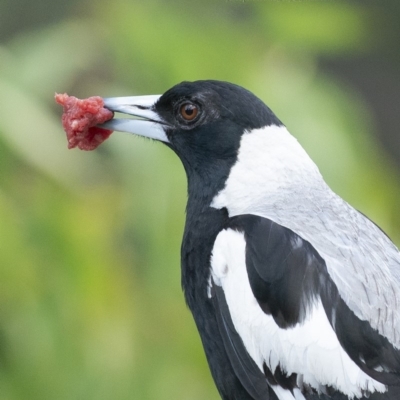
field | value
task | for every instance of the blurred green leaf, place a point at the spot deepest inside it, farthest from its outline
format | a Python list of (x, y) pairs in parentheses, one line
[(49, 60), (323, 27)]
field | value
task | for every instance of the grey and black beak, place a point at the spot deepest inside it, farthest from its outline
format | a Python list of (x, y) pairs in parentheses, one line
[(148, 123)]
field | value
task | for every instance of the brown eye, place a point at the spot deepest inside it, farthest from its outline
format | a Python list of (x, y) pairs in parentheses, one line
[(189, 111)]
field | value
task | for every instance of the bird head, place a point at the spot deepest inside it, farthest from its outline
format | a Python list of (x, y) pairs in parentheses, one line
[(202, 121)]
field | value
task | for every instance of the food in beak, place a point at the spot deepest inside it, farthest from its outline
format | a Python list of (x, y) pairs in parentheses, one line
[(80, 119)]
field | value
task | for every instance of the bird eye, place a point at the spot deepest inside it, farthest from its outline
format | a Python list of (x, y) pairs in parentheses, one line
[(189, 111)]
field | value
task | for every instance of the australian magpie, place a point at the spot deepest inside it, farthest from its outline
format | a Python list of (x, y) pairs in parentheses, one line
[(295, 294)]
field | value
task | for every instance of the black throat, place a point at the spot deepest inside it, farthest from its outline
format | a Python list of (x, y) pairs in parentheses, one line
[(203, 223)]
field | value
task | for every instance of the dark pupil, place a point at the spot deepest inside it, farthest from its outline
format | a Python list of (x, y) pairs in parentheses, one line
[(189, 110)]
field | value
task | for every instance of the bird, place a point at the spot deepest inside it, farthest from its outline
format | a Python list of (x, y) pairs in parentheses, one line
[(295, 293)]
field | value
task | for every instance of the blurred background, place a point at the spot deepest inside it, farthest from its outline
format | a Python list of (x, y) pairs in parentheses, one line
[(90, 299)]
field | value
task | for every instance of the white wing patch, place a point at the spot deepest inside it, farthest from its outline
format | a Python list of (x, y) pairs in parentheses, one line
[(310, 349)]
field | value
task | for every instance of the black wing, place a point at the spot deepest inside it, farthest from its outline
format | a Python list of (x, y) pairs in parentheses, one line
[(287, 275)]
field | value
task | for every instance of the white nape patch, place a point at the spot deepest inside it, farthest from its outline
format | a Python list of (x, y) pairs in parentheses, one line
[(275, 178), (270, 161), (310, 349)]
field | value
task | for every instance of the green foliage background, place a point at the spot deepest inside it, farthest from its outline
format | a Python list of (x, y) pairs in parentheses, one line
[(90, 298)]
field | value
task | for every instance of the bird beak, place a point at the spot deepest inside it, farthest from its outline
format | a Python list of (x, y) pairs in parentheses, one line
[(148, 123)]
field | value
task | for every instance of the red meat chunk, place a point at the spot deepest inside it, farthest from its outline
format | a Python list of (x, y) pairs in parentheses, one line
[(80, 118)]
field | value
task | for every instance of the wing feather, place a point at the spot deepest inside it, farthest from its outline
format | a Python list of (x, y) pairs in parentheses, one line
[(289, 278)]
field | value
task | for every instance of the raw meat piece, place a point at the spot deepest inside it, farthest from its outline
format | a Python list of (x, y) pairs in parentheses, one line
[(80, 118)]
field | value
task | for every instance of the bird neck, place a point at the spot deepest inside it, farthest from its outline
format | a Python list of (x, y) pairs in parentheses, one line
[(203, 223)]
